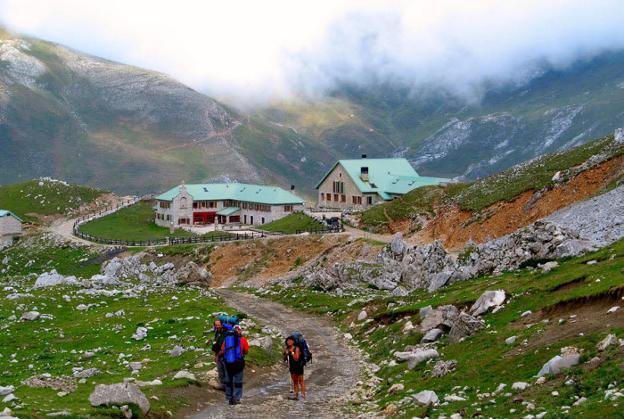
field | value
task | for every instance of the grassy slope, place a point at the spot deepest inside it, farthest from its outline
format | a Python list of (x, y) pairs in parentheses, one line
[(57, 344), (504, 186), (132, 223), (293, 223), (44, 197), (496, 362)]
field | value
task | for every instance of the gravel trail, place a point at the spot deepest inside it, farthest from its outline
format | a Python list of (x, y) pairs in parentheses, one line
[(334, 370)]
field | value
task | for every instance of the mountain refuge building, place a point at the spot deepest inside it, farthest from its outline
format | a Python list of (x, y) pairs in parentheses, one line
[(10, 227), (224, 203), (361, 183)]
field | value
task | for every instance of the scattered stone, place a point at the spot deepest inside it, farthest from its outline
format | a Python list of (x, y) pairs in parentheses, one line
[(432, 335), (426, 398), (9, 398), (609, 340), (416, 356), (580, 401), (548, 266), (443, 317), (519, 386), (395, 388), (397, 245), (140, 334), (184, 374), (486, 301), (541, 380), (511, 340), (264, 342), (464, 326), (613, 309), (441, 368), (6, 390), (526, 313), (119, 394), (135, 366), (409, 326), (30, 315), (176, 351), (568, 358), (87, 373), (362, 316)]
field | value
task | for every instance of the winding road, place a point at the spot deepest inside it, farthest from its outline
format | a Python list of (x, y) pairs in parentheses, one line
[(334, 371)]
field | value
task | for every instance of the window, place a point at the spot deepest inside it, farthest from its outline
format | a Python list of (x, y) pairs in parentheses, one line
[(356, 200), (164, 204), (183, 221), (338, 187), (336, 197), (196, 204), (329, 197), (183, 202), (168, 217), (369, 200), (343, 198), (322, 196), (288, 208), (262, 220)]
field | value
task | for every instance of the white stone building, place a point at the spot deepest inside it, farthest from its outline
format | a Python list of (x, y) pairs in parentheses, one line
[(224, 203), (10, 227)]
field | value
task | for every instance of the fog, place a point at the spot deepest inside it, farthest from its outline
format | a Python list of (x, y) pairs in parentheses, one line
[(258, 51)]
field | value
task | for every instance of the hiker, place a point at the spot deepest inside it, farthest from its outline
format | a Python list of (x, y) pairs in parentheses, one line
[(297, 354), (233, 351), (219, 336)]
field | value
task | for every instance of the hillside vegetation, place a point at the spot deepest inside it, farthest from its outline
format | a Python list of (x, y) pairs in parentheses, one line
[(45, 197), (545, 311), (293, 223)]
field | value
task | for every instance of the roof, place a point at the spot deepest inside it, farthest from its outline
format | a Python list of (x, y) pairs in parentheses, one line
[(6, 213), (386, 177), (228, 211), (270, 195)]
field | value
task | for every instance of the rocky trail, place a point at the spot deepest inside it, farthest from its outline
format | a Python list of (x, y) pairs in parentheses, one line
[(334, 371)]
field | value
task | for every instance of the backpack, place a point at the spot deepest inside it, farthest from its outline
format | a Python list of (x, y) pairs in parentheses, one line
[(225, 319), (301, 343), (232, 349)]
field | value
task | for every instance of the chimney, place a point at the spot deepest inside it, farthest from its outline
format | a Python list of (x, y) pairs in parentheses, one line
[(364, 173), (292, 187), (364, 156)]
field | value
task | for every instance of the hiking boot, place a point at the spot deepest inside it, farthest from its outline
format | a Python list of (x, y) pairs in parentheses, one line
[(232, 403), (293, 397), (237, 402)]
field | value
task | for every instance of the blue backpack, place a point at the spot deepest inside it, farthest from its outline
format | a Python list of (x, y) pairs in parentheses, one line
[(301, 343), (225, 319), (232, 351)]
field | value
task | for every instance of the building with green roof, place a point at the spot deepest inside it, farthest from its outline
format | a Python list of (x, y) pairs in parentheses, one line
[(224, 203), (10, 227), (361, 183)]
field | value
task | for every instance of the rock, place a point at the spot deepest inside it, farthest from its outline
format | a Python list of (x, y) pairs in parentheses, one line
[(548, 266), (395, 388), (52, 278), (362, 316), (30, 315), (424, 312), (540, 380), (618, 135), (426, 398), (613, 309), (264, 342), (409, 326), (572, 247), (442, 317), (416, 356), (526, 313), (87, 373), (6, 390), (555, 365), (465, 326), (176, 351), (519, 386), (9, 398), (347, 336), (118, 395), (486, 301), (140, 333), (557, 177), (400, 291), (432, 335), (155, 382), (439, 280), (397, 245), (135, 366), (580, 401), (184, 374), (453, 398), (441, 368), (511, 340), (609, 340)]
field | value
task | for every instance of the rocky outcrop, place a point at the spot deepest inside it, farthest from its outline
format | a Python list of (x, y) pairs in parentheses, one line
[(118, 395), (400, 268)]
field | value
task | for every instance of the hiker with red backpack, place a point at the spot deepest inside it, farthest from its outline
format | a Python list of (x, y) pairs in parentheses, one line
[(297, 354), (233, 351)]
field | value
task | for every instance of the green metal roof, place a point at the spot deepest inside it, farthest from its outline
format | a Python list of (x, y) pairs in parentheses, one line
[(6, 213), (270, 195), (228, 211), (386, 177)]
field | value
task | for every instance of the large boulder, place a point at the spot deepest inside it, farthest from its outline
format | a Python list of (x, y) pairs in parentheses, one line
[(568, 358), (486, 301), (30, 315), (416, 356), (397, 245), (53, 278), (264, 342), (118, 395), (464, 326), (442, 317)]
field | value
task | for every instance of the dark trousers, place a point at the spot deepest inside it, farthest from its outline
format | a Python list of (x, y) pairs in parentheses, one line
[(233, 383)]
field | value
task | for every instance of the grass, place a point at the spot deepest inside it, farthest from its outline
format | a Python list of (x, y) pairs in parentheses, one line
[(44, 197), (135, 222), (293, 223), (497, 362)]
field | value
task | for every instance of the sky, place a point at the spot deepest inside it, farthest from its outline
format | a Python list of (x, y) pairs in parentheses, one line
[(258, 51)]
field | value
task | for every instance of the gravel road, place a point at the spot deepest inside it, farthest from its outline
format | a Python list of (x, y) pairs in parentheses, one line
[(334, 371)]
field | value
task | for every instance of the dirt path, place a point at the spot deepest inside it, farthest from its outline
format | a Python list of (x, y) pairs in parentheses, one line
[(65, 229), (334, 370), (361, 234)]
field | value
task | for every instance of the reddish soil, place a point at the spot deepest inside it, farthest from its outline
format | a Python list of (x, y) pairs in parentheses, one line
[(261, 260), (455, 227), (590, 316)]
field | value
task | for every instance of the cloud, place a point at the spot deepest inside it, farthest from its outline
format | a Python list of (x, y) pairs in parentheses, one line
[(256, 51)]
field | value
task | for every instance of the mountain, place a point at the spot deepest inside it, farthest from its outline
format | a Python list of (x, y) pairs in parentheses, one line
[(84, 119), (444, 136)]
